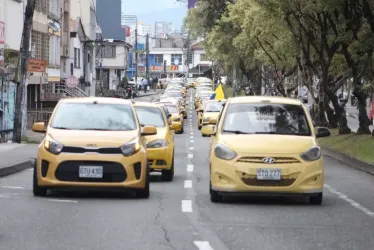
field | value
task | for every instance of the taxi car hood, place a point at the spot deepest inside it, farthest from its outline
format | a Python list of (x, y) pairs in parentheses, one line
[(161, 134), (268, 144), (92, 138), (211, 115)]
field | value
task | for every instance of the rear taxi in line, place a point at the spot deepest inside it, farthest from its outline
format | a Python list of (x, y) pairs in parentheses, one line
[(92, 143), (160, 147), (210, 114), (266, 145), (176, 116)]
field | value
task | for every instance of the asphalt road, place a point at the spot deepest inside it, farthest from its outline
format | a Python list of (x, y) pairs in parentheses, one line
[(179, 215)]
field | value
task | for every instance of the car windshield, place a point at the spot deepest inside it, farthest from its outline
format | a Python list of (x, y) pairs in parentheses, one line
[(150, 116), (213, 106), (172, 109), (254, 118), (91, 116)]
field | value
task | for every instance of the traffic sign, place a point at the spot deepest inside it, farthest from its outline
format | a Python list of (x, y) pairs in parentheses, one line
[(71, 82)]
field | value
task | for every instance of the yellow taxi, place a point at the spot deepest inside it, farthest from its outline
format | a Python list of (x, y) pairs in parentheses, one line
[(176, 116), (200, 113), (266, 145), (160, 147), (92, 143), (210, 111)]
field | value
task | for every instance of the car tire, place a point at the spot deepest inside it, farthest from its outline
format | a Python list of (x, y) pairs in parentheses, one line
[(182, 131), (145, 192), (316, 199), (36, 189), (199, 127), (215, 197), (168, 175)]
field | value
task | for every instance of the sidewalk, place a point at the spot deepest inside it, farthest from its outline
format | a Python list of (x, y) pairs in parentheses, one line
[(150, 92), (16, 157)]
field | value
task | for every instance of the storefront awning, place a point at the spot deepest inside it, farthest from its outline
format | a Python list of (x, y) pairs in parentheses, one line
[(54, 79), (200, 69)]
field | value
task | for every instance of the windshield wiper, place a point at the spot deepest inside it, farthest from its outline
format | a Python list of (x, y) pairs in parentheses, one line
[(238, 132), (61, 128)]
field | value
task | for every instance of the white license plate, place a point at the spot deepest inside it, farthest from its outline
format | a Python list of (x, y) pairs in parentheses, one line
[(90, 172), (268, 174)]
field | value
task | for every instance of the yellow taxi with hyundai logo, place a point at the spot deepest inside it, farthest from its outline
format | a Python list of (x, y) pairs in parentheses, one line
[(92, 143), (266, 145), (160, 147), (176, 118), (209, 114)]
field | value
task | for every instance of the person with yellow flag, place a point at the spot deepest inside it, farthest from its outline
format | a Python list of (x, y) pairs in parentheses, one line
[(218, 94)]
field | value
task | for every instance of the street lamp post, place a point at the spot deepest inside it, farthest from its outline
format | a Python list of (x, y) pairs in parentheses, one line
[(131, 19)]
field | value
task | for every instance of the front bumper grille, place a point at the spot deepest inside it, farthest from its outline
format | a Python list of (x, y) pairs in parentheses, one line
[(69, 171), (284, 182), (276, 160)]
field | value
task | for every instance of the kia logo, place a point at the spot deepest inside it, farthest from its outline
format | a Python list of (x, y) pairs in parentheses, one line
[(268, 160)]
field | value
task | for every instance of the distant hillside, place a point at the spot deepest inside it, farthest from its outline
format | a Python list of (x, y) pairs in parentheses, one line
[(173, 15)]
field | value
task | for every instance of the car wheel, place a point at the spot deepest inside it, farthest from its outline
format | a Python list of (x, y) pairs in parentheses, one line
[(199, 127), (316, 199), (215, 197), (144, 193), (168, 175), (36, 189), (182, 131)]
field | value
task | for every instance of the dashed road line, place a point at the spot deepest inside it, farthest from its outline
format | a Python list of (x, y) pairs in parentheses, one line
[(203, 245), (191, 137), (13, 187), (63, 201), (186, 206), (192, 141), (191, 148), (189, 168), (350, 201), (190, 156), (187, 184)]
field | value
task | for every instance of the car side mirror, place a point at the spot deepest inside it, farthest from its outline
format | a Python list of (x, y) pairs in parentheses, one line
[(169, 115), (213, 121), (39, 127), (200, 110), (149, 130), (323, 132)]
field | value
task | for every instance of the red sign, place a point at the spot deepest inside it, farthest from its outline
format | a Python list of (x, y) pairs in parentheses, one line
[(71, 82), (157, 68), (127, 31), (36, 65), (173, 67)]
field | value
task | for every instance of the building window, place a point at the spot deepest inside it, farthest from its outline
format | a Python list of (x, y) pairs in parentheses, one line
[(158, 59), (40, 45), (176, 59), (203, 57), (42, 6), (54, 50), (109, 51), (141, 59), (77, 58), (54, 8), (190, 58)]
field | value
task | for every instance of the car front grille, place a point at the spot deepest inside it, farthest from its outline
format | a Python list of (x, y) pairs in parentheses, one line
[(277, 160), (82, 150), (283, 182), (69, 171)]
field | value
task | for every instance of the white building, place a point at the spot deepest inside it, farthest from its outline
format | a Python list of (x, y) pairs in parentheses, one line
[(173, 58), (197, 61), (113, 57), (54, 31)]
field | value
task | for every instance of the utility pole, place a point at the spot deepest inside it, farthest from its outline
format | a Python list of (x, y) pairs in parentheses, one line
[(147, 56), (21, 73), (188, 54), (102, 47), (136, 55), (263, 84)]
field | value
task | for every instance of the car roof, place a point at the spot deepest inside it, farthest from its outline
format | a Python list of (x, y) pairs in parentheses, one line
[(224, 100), (106, 100), (146, 104), (271, 99)]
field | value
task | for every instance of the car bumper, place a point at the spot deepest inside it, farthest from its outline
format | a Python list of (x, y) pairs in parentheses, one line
[(240, 178), (206, 129), (177, 127), (62, 171), (160, 158)]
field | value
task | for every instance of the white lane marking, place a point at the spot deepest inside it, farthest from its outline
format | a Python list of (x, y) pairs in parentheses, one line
[(192, 141), (203, 245), (187, 184), (63, 201), (12, 187), (350, 201), (186, 206), (191, 136), (191, 148), (189, 168), (190, 156), (191, 133)]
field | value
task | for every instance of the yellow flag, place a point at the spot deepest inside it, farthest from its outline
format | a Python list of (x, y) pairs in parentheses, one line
[(219, 94)]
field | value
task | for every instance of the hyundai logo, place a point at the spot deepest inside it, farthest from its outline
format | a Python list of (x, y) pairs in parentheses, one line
[(268, 160)]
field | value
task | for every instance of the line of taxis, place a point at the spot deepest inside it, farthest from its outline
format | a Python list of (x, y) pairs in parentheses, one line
[(101, 143), (261, 145)]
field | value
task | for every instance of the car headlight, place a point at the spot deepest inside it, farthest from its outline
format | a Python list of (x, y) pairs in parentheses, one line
[(53, 146), (312, 154), (157, 144), (131, 147), (206, 119), (223, 152), (177, 119)]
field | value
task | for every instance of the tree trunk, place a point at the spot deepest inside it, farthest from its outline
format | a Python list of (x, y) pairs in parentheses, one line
[(363, 119), (340, 114)]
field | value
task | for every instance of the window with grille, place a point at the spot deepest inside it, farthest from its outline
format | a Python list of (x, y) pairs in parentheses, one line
[(77, 58), (190, 58), (158, 59), (54, 7), (109, 51), (54, 50), (40, 44), (42, 6), (176, 59)]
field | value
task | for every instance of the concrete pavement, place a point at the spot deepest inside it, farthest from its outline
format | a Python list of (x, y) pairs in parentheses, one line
[(179, 215), (16, 157)]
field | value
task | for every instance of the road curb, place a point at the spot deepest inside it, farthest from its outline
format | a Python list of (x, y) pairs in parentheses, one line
[(351, 162), (16, 168), (148, 94)]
